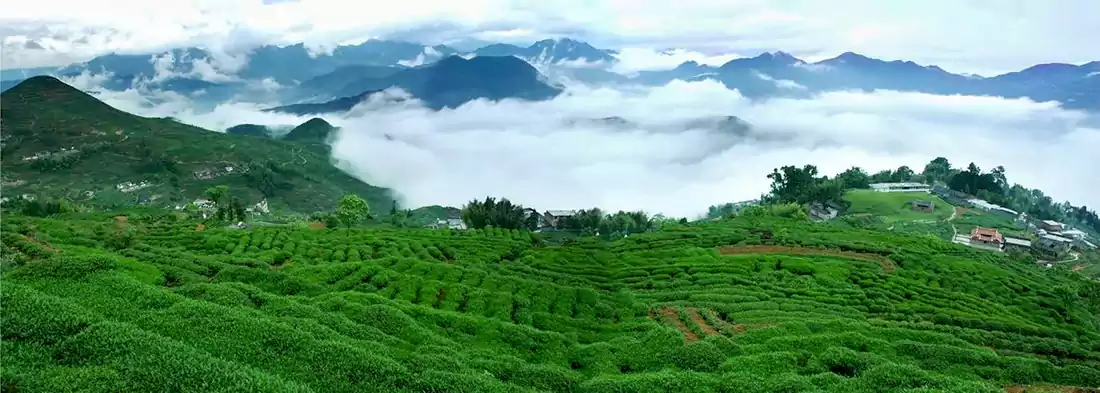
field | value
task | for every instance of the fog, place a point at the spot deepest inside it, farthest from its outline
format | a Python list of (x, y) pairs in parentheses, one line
[(539, 154)]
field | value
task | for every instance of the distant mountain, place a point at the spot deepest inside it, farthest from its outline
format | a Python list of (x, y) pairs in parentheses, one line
[(58, 140), (313, 130), (689, 70), (448, 83), (289, 64), (249, 129), (338, 79), (550, 52), (349, 71), (780, 74)]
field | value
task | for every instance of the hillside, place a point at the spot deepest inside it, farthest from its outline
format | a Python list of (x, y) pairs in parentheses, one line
[(59, 141), (758, 304), (447, 83)]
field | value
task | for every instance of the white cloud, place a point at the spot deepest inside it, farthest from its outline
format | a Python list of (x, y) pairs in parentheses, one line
[(781, 83), (980, 36), (632, 60), (534, 154)]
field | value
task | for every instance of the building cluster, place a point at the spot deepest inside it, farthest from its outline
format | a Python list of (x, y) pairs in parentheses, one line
[(1053, 240)]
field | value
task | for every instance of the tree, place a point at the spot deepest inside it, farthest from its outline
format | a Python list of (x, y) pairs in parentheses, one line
[(802, 186), (937, 170), (854, 177), (352, 210), (903, 174), (490, 212), (217, 193)]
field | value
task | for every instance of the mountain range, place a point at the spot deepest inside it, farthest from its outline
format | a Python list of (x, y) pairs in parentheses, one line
[(353, 71), (60, 141)]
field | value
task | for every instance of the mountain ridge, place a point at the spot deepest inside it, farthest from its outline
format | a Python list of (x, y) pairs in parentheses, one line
[(61, 141)]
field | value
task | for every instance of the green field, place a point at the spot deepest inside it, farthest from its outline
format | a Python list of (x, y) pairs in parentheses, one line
[(94, 304), (971, 219), (896, 206)]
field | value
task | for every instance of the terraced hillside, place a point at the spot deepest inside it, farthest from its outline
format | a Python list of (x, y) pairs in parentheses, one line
[(59, 141), (742, 305)]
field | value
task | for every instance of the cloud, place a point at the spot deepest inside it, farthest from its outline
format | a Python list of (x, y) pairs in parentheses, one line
[(537, 154), (632, 60), (979, 36), (781, 83)]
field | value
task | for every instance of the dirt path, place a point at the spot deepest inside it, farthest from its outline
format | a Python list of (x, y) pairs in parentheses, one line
[(699, 321), (886, 263), (955, 213), (671, 316)]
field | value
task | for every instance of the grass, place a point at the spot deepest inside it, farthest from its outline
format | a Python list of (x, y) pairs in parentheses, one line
[(896, 206), (44, 115), (799, 307), (971, 219)]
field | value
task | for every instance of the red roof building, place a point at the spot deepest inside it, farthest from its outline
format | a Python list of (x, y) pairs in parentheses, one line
[(987, 236)]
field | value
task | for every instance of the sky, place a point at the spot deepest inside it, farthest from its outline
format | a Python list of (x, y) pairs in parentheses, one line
[(539, 154), (966, 36)]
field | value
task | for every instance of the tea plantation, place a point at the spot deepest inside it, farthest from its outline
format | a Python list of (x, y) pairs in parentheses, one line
[(762, 304)]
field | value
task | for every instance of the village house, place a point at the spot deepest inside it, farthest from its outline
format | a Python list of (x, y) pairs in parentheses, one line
[(924, 206), (553, 218), (1051, 226), (988, 237), (824, 212), (1052, 245), (449, 223), (1016, 244), (901, 187), (131, 186), (1075, 234)]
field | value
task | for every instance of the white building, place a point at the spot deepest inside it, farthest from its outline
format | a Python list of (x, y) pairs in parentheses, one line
[(901, 187)]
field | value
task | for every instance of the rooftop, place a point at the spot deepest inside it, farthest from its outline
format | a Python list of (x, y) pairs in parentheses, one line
[(1052, 223), (899, 185), (1056, 238), (561, 213), (1017, 241)]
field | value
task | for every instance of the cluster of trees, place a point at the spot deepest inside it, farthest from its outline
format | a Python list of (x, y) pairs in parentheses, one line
[(505, 214), (594, 221), (497, 214), (803, 185), (267, 177), (41, 207), (227, 207)]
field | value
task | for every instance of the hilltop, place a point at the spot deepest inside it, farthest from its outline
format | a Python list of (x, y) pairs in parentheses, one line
[(60, 141), (447, 83)]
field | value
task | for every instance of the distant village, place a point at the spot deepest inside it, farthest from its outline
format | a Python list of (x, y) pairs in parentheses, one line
[(1053, 240)]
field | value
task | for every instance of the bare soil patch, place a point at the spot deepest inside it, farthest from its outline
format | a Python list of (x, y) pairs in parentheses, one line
[(698, 320), (670, 316), (886, 263)]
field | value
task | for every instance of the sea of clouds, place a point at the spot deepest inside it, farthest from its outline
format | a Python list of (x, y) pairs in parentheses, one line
[(539, 154)]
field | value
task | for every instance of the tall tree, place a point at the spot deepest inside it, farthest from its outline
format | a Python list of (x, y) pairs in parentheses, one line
[(903, 174), (854, 177), (351, 210), (938, 170)]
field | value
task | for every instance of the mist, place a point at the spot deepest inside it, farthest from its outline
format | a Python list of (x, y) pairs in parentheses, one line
[(547, 155)]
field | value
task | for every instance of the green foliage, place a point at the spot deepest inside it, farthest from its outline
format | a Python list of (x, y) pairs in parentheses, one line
[(80, 148), (490, 212), (802, 186), (352, 210), (756, 302)]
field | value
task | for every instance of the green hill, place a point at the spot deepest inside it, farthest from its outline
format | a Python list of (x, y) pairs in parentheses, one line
[(59, 141), (249, 129), (751, 304)]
